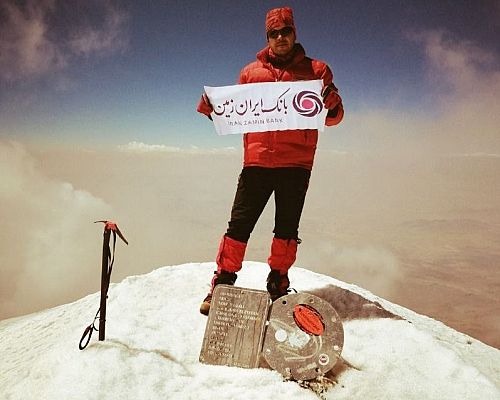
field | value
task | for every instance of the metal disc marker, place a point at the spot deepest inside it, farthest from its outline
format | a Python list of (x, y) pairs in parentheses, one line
[(304, 337)]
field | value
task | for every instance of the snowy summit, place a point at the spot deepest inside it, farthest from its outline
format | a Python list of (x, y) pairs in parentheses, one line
[(154, 334)]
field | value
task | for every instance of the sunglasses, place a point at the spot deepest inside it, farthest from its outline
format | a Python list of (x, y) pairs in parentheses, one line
[(287, 30)]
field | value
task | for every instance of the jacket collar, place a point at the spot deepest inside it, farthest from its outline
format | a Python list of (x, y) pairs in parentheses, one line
[(267, 56)]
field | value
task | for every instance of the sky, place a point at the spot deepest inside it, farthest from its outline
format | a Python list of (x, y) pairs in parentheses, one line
[(98, 121), (152, 348), (110, 72)]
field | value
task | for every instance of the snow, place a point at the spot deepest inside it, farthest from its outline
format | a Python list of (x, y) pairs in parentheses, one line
[(154, 334)]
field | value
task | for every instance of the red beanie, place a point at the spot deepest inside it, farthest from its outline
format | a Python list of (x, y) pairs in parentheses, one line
[(278, 18)]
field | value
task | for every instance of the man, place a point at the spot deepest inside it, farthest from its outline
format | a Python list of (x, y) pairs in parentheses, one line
[(274, 161)]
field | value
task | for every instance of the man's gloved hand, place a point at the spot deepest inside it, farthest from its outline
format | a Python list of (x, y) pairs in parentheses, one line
[(330, 95), (204, 106)]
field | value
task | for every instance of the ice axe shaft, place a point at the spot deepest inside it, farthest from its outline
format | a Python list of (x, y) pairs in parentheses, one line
[(108, 258), (105, 277)]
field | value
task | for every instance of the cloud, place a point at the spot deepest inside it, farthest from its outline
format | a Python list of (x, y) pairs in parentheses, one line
[(33, 44), (476, 155), (470, 111), (372, 267), (25, 46), (140, 148), (461, 64), (459, 113), (464, 65), (107, 38), (48, 242)]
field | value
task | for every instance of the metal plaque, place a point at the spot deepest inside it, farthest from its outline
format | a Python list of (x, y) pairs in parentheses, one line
[(235, 328), (304, 337)]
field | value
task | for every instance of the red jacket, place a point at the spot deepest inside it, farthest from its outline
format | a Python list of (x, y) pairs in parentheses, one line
[(290, 148)]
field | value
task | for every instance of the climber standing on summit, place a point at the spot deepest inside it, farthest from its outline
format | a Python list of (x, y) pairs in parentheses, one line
[(278, 162)]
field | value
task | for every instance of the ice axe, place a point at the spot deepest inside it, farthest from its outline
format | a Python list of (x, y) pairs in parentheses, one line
[(108, 258)]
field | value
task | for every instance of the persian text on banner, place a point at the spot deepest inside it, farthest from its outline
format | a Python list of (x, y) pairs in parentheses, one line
[(267, 106)]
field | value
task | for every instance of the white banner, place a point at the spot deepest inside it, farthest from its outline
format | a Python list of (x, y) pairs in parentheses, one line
[(267, 106)]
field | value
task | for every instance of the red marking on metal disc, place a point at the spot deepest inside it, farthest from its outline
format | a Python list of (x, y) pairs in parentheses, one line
[(308, 319)]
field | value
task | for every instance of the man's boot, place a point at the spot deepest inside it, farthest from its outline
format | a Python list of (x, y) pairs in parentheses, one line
[(277, 284), (229, 261), (283, 255), (222, 277)]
